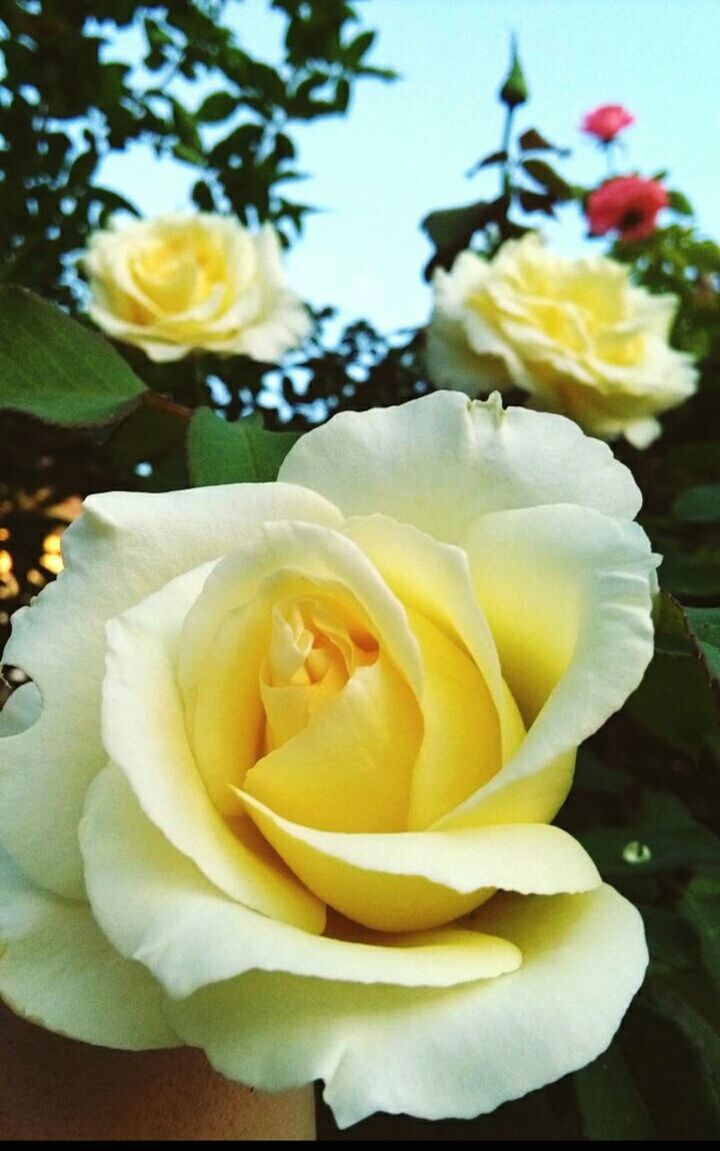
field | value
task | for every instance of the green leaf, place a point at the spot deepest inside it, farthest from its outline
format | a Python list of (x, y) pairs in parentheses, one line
[(536, 202), (672, 634), (680, 204), (203, 197), (147, 435), (241, 452), (611, 1107), (548, 178), (700, 906), (185, 127), (675, 698), (704, 623), (451, 229), (663, 838), (189, 155), (112, 201), (691, 573), (533, 141), (359, 46), (671, 941), (53, 368), (82, 169), (667, 1071), (694, 461), (699, 505), (218, 106), (667, 1000), (490, 161), (156, 35)]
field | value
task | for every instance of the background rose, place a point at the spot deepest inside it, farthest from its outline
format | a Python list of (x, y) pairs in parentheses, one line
[(382, 666), (607, 121), (628, 205), (575, 334), (174, 284)]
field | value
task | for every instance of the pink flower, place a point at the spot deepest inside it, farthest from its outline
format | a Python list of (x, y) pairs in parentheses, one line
[(606, 121), (627, 205)]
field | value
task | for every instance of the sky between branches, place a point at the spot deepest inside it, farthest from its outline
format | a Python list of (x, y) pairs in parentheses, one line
[(404, 147)]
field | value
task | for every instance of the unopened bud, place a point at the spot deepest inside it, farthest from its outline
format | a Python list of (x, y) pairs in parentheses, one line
[(514, 90)]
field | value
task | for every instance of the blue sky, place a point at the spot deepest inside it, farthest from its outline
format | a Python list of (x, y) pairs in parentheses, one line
[(404, 147)]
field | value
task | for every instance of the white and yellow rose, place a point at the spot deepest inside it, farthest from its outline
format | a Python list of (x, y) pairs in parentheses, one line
[(573, 333), (281, 785), (177, 284)]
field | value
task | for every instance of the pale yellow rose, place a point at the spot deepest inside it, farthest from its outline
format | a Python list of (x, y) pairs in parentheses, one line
[(281, 785), (574, 333), (177, 284)]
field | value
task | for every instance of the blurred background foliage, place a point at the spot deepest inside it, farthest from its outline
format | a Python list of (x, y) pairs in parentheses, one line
[(647, 799)]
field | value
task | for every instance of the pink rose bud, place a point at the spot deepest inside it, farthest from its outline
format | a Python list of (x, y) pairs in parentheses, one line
[(627, 205), (607, 121)]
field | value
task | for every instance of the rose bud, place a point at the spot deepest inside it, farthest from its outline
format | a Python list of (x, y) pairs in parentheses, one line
[(607, 121)]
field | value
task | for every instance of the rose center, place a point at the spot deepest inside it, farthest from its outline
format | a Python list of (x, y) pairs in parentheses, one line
[(175, 274), (631, 219), (315, 646)]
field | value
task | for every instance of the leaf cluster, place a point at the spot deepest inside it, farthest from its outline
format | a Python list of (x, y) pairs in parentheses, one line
[(68, 101)]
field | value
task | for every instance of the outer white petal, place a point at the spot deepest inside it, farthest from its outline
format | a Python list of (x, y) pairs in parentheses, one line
[(58, 969), (436, 1053), (120, 550), (156, 907), (441, 461), (21, 710)]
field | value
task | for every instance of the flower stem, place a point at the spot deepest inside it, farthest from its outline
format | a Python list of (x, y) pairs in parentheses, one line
[(506, 186), (163, 404)]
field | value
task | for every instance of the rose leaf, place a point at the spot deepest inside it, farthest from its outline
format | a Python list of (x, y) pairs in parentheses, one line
[(56, 370), (233, 453)]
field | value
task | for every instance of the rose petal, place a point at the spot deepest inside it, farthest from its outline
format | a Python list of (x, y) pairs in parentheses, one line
[(351, 769), (223, 640), (58, 969), (21, 710), (411, 881), (445, 597), (398, 461), (156, 907), (558, 637), (431, 1053), (461, 747), (401, 553), (144, 733)]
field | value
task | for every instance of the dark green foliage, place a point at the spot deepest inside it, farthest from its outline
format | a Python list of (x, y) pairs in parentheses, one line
[(65, 104), (678, 259)]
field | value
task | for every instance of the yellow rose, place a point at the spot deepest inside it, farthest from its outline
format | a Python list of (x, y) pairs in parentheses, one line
[(575, 334), (281, 785), (177, 284)]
